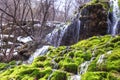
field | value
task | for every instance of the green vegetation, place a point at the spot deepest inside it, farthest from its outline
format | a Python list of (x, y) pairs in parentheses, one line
[(58, 75), (68, 60), (104, 3)]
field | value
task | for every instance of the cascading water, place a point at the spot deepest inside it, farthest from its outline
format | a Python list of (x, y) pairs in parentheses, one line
[(116, 16), (101, 58), (38, 52), (74, 77), (84, 66), (72, 34), (55, 37)]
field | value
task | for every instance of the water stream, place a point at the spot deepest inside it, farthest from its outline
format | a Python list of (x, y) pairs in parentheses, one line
[(55, 37), (49, 78), (101, 58), (37, 53), (55, 64), (75, 77), (116, 16)]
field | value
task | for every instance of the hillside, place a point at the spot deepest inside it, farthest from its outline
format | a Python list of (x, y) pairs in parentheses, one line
[(83, 59)]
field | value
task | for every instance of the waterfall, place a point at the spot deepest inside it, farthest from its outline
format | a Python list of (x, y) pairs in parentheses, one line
[(38, 52), (78, 26), (116, 16), (55, 37)]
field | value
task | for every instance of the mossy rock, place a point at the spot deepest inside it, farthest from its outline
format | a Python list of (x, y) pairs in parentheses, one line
[(59, 75), (3, 66), (58, 59), (68, 61), (26, 73), (71, 67), (95, 76), (40, 58), (114, 40)]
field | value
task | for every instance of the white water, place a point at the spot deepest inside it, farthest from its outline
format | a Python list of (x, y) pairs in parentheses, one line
[(84, 66), (49, 78), (55, 64), (116, 16), (38, 52), (78, 26), (75, 77), (101, 58), (55, 37)]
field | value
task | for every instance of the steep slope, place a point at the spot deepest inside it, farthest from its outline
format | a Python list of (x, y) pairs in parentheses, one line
[(63, 63)]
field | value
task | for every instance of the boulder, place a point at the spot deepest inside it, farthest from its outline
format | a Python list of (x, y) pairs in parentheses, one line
[(93, 21)]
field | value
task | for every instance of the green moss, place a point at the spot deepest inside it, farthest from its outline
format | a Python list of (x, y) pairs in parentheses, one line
[(40, 58), (68, 60), (71, 67), (58, 59), (58, 75), (104, 3), (38, 64), (3, 66), (114, 75), (94, 76), (114, 40), (25, 73), (119, 3), (12, 63), (117, 44), (93, 65)]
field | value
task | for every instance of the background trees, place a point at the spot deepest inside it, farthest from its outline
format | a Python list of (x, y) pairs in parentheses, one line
[(17, 18)]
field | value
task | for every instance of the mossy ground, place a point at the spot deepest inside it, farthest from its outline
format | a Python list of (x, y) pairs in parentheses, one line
[(66, 60)]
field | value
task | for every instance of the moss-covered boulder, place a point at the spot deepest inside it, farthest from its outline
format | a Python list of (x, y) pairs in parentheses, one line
[(93, 20), (58, 75)]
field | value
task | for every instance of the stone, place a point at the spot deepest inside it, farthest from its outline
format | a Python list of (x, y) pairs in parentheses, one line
[(93, 21)]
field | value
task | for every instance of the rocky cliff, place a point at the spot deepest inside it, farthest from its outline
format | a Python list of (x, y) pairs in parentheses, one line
[(93, 21)]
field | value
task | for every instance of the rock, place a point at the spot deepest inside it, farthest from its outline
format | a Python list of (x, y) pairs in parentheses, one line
[(26, 50), (118, 27), (71, 35), (93, 21)]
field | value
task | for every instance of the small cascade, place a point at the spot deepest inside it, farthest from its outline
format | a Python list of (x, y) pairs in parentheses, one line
[(116, 16), (84, 66), (78, 27), (101, 58), (49, 78), (72, 34), (55, 37), (55, 64), (38, 52), (75, 77)]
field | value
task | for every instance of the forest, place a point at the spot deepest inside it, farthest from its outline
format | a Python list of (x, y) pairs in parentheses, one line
[(59, 39)]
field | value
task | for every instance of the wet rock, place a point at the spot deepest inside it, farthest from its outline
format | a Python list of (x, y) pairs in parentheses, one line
[(93, 21), (71, 35), (118, 27)]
